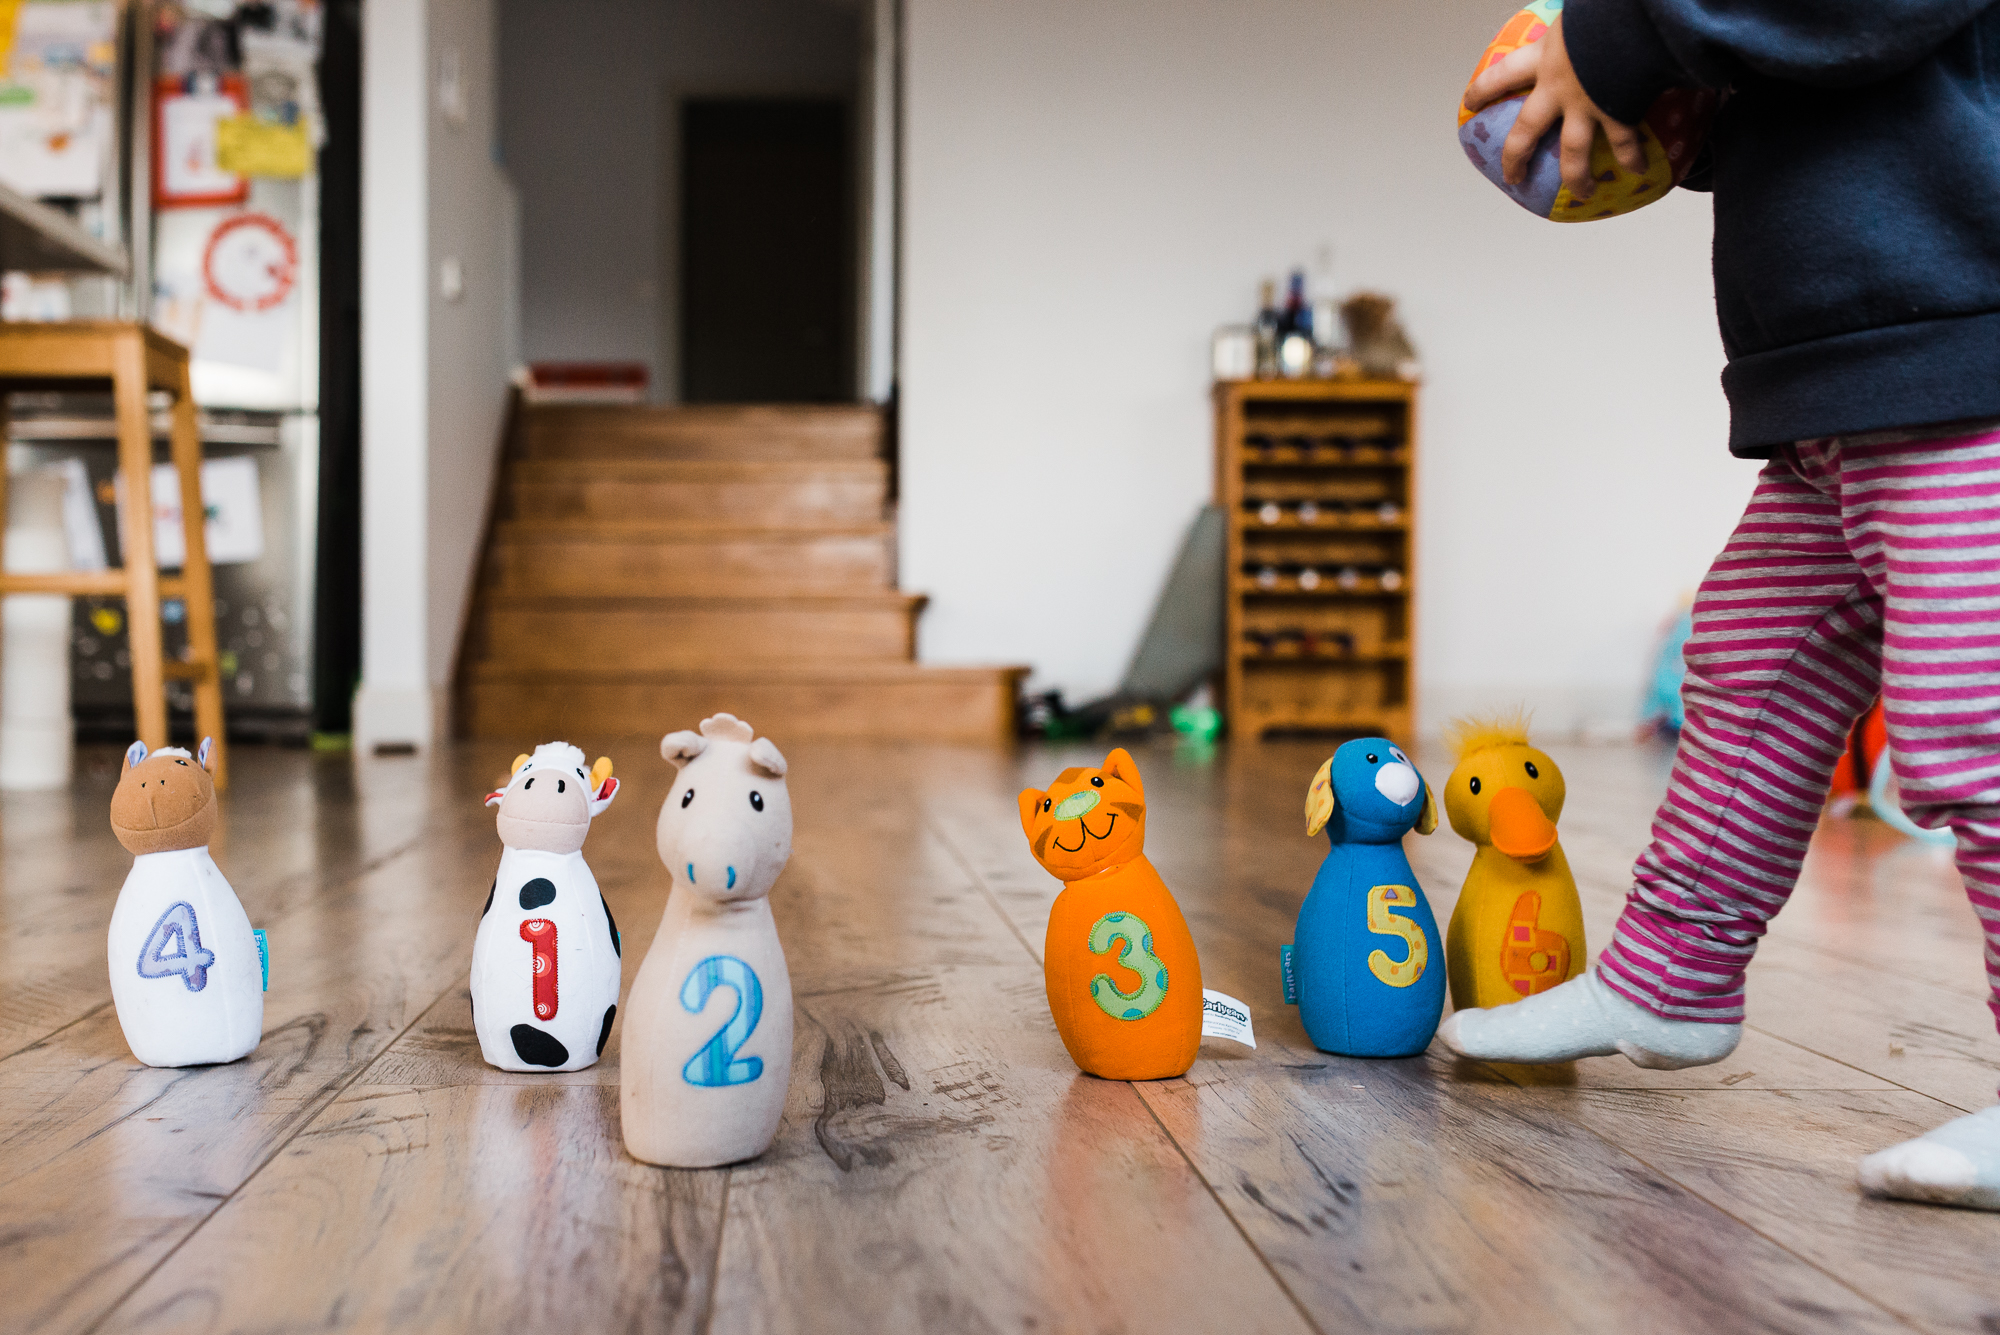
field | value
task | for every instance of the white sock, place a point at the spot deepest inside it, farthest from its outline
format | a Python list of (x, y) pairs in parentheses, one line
[(1957, 1164), (1584, 1018)]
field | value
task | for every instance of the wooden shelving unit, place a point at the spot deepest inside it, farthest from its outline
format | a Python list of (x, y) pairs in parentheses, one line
[(1317, 478)]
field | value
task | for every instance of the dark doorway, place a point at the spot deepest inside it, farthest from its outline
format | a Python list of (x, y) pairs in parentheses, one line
[(337, 582), (767, 252)]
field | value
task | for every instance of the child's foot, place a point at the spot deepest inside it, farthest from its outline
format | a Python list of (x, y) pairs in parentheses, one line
[(1957, 1164), (1584, 1018)]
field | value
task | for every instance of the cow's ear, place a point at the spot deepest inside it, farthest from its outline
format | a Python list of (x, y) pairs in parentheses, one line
[(202, 753), (766, 756), (519, 761), (605, 792), (134, 754), (681, 747)]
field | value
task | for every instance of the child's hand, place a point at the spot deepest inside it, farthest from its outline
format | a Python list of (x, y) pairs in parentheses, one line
[(1555, 95)]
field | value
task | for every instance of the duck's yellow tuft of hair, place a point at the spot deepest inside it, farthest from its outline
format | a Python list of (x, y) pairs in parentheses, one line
[(1468, 736)]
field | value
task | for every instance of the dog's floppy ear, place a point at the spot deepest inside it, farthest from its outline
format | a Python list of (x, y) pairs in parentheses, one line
[(681, 747), (1031, 798), (1319, 799), (1429, 820)]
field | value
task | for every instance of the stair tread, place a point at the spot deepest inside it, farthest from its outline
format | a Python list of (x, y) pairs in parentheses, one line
[(568, 529), (615, 602), (693, 470), (836, 670)]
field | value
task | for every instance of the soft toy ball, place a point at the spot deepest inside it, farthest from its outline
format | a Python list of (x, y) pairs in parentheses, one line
[(1672, 133)]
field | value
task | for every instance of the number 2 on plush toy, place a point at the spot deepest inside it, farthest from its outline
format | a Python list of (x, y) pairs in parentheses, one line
[(1130, 929), (1384, 923), (716, 1064)]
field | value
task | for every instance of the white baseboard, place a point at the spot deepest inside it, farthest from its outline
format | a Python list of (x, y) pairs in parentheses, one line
[(398, 717)]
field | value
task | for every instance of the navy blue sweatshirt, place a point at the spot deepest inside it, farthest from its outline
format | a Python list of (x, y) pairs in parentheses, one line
[(1856, 175)]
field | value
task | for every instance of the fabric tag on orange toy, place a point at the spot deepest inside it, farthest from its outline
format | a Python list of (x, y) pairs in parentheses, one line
[(1223, 1016)]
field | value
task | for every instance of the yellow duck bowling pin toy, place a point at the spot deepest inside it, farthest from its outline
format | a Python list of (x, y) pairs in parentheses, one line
[(1518, 927)]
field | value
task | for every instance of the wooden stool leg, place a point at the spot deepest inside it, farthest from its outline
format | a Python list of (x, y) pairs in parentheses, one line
[(199, 580), (142, 568)]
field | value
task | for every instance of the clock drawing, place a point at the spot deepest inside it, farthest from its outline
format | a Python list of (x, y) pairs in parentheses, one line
[(251, 263)]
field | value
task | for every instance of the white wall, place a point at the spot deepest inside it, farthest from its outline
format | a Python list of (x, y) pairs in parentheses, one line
[(434, 370), (393, 703), (1091, 188), (588, 125)]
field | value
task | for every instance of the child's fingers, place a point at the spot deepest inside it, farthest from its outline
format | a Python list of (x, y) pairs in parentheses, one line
[(1538, 113), (1578, 134), (1626, 145), (1511, 73)]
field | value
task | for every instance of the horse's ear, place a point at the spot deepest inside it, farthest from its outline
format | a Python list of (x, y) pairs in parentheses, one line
[(202, 753), (681, 747), (766, 756), (134, 754)]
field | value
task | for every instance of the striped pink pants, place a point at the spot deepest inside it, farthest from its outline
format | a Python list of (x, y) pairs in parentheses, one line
[(1863, 565)]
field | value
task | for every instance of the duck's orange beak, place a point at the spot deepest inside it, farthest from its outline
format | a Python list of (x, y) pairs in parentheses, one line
[(1519, 829)]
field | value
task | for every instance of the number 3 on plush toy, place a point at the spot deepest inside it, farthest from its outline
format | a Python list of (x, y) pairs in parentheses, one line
[(716, 1063), (1130, 929), (1396, 973)]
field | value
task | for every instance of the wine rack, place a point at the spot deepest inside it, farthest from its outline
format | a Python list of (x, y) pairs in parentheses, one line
[(1316, 477)]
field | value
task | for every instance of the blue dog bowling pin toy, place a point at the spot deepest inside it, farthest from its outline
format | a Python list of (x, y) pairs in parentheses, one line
[(1366, 967)]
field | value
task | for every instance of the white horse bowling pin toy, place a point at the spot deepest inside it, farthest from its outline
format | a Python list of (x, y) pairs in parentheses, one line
[(547, 961), (187, 972), (707, 1054)]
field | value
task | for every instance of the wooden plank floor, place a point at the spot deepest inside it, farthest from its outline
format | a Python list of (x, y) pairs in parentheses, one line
[(942, 1166)]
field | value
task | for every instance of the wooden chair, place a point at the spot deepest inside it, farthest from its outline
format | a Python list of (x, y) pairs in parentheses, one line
[(132, 360)]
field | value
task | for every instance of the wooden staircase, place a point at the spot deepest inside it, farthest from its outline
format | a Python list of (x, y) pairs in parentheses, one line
[(647, 567)]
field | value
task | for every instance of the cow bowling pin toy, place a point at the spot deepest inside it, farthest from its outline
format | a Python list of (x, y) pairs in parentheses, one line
[(707, 1055), (187, 971), (547, 961), (1366, 966), (1119, 964)]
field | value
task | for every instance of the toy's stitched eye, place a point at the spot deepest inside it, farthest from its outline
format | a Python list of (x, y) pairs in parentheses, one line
[(581, 775), (1374, 759), (756, 801), (687, 798), (181, 763), (1047, 802), (1096, 781), (1533, 773), (1398, 755), (1474, 785)]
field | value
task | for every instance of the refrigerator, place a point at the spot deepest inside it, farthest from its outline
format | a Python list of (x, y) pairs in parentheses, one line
[(222, 124)]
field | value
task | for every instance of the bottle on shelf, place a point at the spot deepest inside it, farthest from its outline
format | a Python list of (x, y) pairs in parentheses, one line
[(1295, 331), (1267, 331), (1391, 579)]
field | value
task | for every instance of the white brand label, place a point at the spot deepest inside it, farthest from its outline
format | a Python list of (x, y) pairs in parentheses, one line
[(1223, 1016)]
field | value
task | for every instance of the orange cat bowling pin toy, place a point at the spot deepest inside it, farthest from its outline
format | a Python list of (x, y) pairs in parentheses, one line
[(1123, 980)]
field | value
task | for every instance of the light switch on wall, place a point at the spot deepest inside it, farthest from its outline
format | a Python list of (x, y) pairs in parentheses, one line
[(451, 278)]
